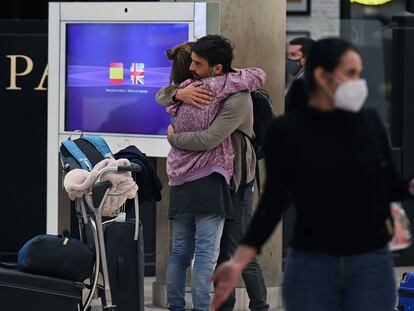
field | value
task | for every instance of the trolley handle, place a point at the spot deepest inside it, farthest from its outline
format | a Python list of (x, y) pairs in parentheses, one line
[(130, 168)]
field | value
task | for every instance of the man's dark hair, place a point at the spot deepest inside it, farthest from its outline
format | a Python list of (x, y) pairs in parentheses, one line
[(216, 49), (305, 42)]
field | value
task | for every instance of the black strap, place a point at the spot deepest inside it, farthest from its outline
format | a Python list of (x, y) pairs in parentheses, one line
[(243, 177), (257, 172)]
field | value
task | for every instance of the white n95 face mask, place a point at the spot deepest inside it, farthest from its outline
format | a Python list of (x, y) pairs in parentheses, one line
[(351, 95)]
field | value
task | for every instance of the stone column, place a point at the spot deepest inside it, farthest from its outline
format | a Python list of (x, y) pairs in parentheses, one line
[(163, 240), (258, 30)]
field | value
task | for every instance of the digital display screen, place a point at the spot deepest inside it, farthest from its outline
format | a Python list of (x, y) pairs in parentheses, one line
[(114, 71)]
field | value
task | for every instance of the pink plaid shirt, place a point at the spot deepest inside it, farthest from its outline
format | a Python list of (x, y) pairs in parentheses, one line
[(184, 165)]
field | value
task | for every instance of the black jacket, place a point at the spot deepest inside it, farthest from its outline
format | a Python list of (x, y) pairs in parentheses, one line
[(149, 184), (295, 97), (329, 164)]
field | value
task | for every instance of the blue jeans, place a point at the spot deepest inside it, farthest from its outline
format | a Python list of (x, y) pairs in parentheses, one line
[(320, 282), (198, 237), (233, 232)]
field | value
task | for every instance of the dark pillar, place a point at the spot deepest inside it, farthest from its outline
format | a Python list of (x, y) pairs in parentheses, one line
[(345, 9), (402, 108), (409, 6), (345, 17)]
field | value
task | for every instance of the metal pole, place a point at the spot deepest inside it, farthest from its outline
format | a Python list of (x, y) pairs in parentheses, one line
[(345, 16), (345, 9), (409, 5)]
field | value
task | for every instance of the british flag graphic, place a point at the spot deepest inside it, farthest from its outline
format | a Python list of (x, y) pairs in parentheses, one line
[(137, 73)]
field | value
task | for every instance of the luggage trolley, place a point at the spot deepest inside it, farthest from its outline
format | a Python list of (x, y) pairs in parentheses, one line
[(88, 153), (100, 191), (50, 293)]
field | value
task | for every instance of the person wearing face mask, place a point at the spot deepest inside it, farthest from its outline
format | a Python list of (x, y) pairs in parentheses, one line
[(295, 97), (326, 158), (297, 52)]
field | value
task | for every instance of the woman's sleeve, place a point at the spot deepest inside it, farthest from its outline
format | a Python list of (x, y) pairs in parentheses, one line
[(275, 198), (250, 79), (166, 94), (247, 80)]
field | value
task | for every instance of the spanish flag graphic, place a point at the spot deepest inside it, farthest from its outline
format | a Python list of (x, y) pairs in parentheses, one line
[(116, 73)]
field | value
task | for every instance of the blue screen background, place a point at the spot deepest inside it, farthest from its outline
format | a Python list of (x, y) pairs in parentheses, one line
[(93, 102)]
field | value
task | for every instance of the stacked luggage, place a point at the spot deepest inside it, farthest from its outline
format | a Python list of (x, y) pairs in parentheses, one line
[(99, 185)]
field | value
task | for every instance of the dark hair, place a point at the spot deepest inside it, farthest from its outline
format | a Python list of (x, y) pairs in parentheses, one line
[(216, 49), (325, 53), (181, 57), (305, 43)]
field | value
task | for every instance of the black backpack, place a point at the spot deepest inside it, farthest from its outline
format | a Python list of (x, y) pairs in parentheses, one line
[(263, 116)]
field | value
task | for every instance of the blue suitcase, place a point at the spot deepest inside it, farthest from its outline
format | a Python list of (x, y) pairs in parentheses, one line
[(406, 292)]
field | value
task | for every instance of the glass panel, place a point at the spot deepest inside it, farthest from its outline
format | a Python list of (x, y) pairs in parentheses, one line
[(374, 42)]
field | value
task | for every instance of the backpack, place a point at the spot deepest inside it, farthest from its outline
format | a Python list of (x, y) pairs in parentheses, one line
[(263, 116), (57, 256), (84, 152)]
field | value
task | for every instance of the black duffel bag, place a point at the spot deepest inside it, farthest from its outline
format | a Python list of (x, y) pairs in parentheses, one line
[(57, 256)]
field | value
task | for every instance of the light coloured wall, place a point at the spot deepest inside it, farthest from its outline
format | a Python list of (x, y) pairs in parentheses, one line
[(257, 29), (323, 21)]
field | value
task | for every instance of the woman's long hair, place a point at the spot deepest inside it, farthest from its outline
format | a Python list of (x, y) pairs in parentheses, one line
[(180, 71)]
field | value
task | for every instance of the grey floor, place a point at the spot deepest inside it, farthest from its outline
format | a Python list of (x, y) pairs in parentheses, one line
[(149, 280)]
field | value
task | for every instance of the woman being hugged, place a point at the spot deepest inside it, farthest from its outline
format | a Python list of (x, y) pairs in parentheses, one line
[(200, 198)]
